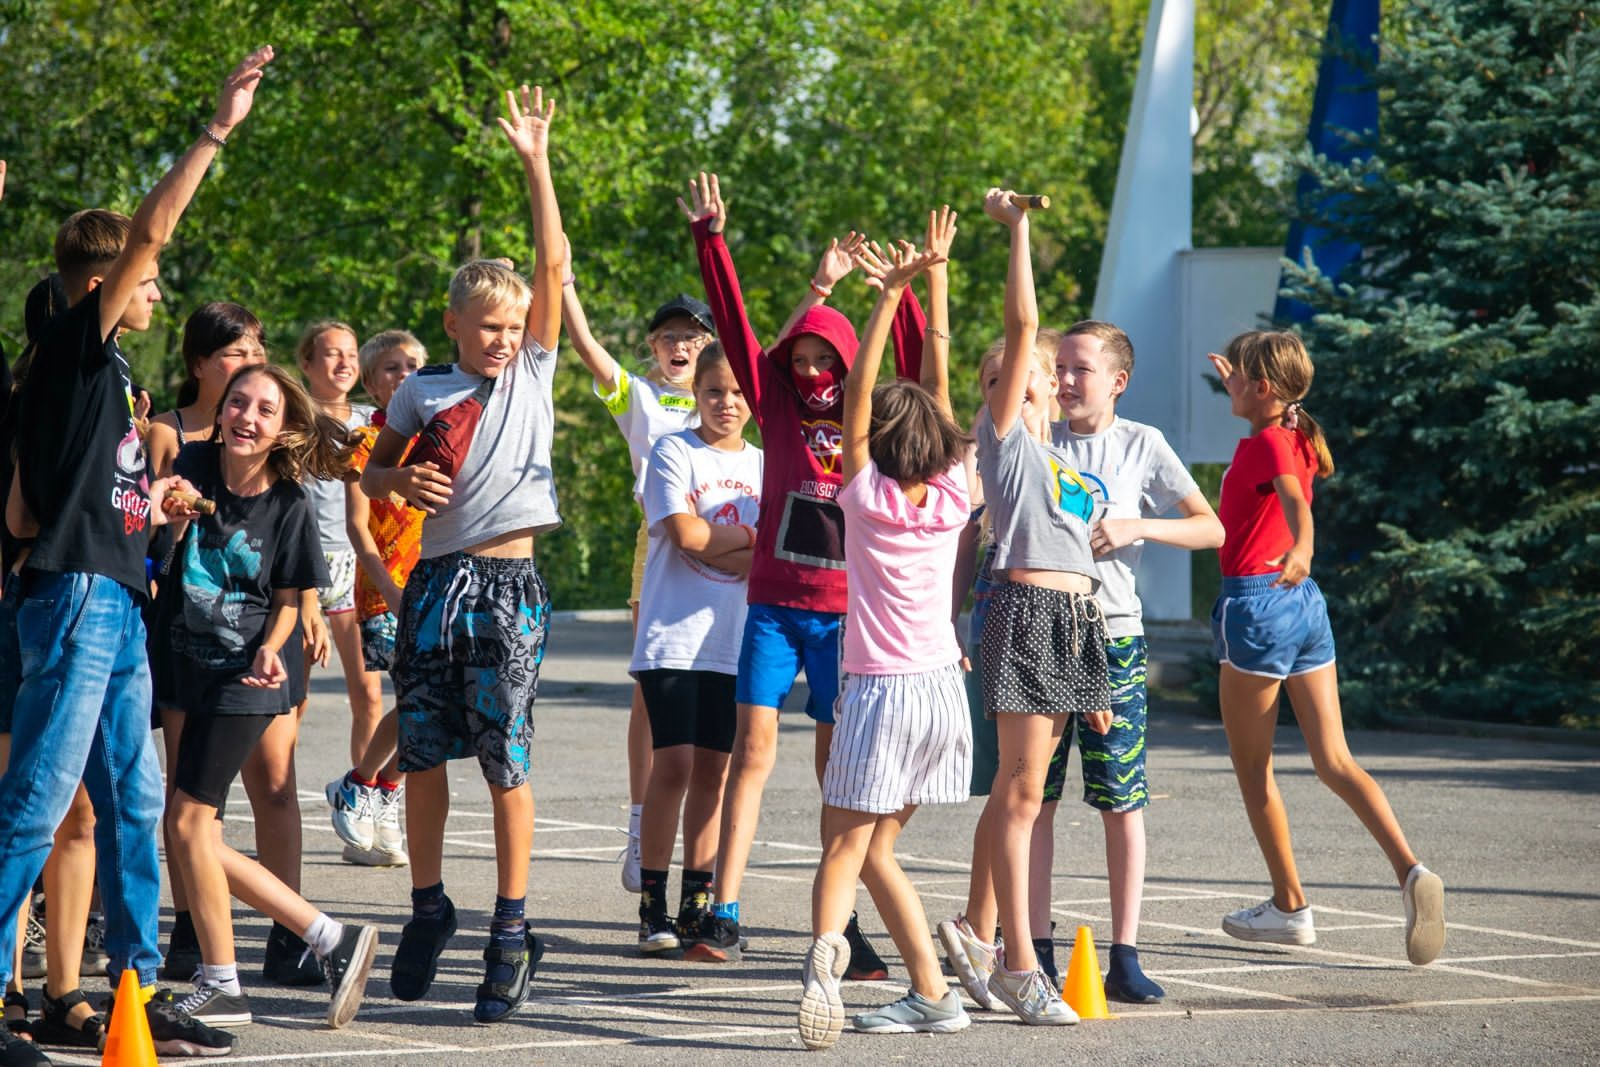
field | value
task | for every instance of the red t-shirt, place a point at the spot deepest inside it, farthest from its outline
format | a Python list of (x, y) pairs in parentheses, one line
[(1252, 518)]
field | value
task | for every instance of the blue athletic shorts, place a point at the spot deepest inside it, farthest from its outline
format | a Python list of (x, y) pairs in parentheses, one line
[(778, 641), (1271, 632)]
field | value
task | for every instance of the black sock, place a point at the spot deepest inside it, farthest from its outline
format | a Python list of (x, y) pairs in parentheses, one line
[(183, 932), (1044, 948), (698, 887), (508, 929), (428, 902), (653, 895)]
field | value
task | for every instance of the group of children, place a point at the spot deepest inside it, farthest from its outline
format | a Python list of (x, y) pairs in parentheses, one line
[(191, 567)]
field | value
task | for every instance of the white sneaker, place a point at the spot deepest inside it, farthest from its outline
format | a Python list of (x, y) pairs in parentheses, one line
[(353, 811), (1265, 922), (389, 840), (1424, 900), (1032, 996), (821, 1007), (631, 879), (970, 959)]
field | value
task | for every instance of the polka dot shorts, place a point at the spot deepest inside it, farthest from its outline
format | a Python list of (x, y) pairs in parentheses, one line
[(1043, 652)]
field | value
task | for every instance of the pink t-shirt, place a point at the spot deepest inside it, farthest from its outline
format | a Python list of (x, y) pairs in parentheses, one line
[(900, 559)]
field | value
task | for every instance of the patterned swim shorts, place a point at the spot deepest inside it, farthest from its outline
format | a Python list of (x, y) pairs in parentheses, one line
[(471, 638), (1113, 762), (339, 595), (377, 641)]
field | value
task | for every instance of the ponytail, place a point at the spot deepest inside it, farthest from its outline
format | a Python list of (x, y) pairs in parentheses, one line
[(1298, 418), (1280, 359)]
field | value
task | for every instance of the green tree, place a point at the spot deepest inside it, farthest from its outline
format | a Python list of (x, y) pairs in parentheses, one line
[(1458, 373)]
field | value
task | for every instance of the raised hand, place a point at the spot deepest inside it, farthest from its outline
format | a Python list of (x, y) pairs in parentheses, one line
[(874, 263), (941, 232), (705, 202), (239, 91), (2, 179), (527, 125), (905, 263), (997, 205), (1223, 367), (838, 260)]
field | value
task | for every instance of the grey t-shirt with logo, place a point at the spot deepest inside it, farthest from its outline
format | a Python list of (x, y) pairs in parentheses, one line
[(1040, 511)]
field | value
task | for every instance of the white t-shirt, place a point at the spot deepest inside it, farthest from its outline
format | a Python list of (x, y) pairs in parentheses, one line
[(1130, 467), (645, 412), (505, 482), (691, 615), (327, 497)]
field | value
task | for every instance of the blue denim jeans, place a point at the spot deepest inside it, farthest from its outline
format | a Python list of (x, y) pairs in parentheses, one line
[(83, 712)]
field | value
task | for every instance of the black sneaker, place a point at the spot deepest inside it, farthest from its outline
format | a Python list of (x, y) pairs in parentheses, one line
[(416, 961), (718, 941), (865, 964), (692, 918), (177, 1034), (348, 967), (289, 960), (214, 1007), (183, 950), (20, 1052)]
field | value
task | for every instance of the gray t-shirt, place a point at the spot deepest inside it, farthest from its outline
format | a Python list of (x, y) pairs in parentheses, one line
[(505, 482), (327, 497), (1040, 511), (1136, 474)]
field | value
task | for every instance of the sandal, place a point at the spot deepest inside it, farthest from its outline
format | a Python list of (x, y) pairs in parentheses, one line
[(55, 1025), (498, 999), (21, 1025)]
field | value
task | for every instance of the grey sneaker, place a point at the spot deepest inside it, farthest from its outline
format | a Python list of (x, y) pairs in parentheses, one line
[(94, 946), (353, 810), (1265, 922), (821, 1009), (916, 1014), (1424, 900), (971, 960), (1032, 996), (210, 1005)]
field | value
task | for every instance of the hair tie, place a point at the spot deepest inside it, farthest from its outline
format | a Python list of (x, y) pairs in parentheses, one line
[(1291, 417)]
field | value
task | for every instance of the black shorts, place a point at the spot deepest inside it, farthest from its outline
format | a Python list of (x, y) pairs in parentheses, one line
[(689, 708), (1043, 652), (212, 750)]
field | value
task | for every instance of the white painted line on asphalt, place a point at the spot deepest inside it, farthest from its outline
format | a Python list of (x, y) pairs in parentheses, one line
[(1346, 1009), (1524, 956), (1492, 930), (1240, 991)]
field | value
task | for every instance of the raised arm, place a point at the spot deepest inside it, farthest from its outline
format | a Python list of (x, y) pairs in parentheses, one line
[(838, 260), (602, 367), (1022, 314), (527, 127), (905, 263), (909, 321), (708, 214), (159, 212), (935, 375)]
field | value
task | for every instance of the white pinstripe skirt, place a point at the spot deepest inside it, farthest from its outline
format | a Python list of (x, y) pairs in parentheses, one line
[(900, 739)]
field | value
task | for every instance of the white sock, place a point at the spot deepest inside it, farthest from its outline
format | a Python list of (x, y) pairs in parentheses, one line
[(223, 976), (634, 811), (324, 935)]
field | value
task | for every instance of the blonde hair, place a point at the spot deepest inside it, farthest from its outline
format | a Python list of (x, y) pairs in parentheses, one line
[(1045, 345), (1280, 359), (310, 442), (1113, 341), (381, 344), (308, 338), (489, 281)]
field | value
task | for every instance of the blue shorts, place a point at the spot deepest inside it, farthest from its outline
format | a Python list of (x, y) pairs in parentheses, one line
[(778, 641), (1273, 633)]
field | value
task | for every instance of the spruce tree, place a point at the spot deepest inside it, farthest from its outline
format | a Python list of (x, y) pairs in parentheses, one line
[(1458, 370)]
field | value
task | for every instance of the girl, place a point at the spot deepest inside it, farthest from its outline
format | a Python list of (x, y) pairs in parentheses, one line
[(329, 360), (645, 407), (387, 533), (1043, 652), (901, 736), (701, 498), (1270, 627), (238, 580)]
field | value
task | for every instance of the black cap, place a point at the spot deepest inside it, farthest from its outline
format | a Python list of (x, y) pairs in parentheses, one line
[(697, 310)]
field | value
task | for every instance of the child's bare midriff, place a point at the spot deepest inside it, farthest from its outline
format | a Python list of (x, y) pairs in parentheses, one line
[(514, 544), (1061, 581)]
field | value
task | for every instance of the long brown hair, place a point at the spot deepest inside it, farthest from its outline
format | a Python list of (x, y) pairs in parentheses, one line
[(310, 442), (1280, 359)]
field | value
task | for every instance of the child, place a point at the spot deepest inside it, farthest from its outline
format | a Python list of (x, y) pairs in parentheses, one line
[(901, 736), (387, 534), (481, 473), (241, 570), (645, 407), (327, 356), (797, 580), (83, 706), (1270, 627), (701, 498)]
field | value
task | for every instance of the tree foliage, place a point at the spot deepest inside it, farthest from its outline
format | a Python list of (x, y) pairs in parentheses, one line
[(372, 166), (1457, 370)]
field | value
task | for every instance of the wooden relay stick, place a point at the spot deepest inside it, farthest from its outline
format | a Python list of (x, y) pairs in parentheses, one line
[(1027, 201), (193, 501)]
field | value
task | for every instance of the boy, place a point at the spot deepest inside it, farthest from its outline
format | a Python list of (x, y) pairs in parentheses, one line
[(472, 622), (1140, 477), (85, 676)]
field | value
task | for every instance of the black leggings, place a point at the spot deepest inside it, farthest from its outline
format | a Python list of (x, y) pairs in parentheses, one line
[(211, 751)]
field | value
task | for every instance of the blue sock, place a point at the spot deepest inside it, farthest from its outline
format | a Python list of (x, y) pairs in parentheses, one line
[(507, 929), (428, 902), (726, 910), (1125, 980)]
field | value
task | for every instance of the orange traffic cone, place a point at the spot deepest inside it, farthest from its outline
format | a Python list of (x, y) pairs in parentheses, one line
[(1085, 991), (128, 1040)]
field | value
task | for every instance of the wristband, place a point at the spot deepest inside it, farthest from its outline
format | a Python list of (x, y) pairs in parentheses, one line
[(938, 333), (205, 131), (751, 530), (571, 279), (820, 291)]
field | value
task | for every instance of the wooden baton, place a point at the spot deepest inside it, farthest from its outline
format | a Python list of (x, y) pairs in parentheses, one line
[(193, 501), (1030, 201)]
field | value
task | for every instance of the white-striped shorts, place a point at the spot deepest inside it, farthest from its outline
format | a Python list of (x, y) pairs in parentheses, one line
[(900, 739)]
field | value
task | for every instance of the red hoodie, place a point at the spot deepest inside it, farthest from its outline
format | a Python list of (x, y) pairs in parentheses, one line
[(799, 553)]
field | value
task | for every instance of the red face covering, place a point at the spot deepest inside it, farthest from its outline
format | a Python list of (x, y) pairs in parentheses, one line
[(822, 393)]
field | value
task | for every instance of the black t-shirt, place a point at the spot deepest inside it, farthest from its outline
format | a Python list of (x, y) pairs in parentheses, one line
[(83, 464), (226, 570)]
